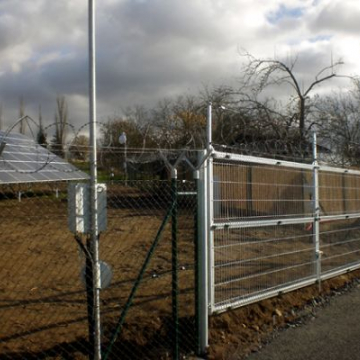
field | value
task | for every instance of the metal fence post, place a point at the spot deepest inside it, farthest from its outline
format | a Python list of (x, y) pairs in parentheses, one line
[(209, 197), (175, 275), (202, 260), (316, 202), (93, 183), (196, 177)]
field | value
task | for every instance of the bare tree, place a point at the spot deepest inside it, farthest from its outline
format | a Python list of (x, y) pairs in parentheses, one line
[(260, 74), (1, 117), (179, 123), (61, 124), (79, 148), (339, 116), (140, 118), (164, 124), (41, 135), (190, 119), (21, 115), (137, 136), (116, 126), (230, 121)]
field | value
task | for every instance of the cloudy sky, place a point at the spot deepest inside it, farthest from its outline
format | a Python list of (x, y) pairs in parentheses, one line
[(151, 49)]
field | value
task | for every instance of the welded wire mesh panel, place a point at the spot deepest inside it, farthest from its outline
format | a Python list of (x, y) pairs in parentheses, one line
[(248, 191), (339, 193), (340, 244), (255, 260), (263, 234), (43, 308), (351, 185)]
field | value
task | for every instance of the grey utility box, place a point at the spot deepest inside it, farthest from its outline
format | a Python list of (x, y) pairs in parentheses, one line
[(79, 209)]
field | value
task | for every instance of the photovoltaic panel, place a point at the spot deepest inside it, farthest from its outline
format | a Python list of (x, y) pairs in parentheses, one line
[(22, 160)]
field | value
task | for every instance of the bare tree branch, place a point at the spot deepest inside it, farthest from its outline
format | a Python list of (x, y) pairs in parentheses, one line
[(262, 73)]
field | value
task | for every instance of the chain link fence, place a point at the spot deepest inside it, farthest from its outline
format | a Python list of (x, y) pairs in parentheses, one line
[(148, 248), (44, 305)]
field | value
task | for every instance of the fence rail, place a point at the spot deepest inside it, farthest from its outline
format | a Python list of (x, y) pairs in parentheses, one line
[(276, 225)]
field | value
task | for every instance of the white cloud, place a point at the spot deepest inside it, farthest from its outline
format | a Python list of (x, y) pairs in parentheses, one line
[(339, 16), (149, 49)]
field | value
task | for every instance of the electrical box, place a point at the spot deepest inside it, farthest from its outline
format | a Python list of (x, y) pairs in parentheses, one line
[(79, 208)]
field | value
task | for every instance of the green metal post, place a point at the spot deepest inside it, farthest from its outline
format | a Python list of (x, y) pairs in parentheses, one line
[(137, 283)]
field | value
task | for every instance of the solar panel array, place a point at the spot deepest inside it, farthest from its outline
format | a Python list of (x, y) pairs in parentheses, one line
[(22, 160)]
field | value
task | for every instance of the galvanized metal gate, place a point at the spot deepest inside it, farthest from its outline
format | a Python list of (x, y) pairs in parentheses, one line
[(271, 226)]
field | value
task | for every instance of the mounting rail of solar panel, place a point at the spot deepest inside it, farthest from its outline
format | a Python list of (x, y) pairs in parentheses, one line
[(22, 160)]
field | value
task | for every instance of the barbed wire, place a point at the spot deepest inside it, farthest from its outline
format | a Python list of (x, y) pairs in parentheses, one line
[(136, 159)]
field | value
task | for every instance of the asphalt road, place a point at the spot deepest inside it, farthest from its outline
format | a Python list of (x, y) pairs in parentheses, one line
[(334, 334)]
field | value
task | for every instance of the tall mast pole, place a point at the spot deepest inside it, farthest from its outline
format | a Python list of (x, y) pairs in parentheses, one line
[(93, 182)]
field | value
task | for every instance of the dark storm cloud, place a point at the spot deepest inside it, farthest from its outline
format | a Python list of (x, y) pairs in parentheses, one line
[(151, 49), (142, 48)]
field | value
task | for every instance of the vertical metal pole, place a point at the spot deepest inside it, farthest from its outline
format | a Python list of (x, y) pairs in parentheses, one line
[(174, 251), (204, 294), (210, 216), (316, 227), (123, 141), (196, 177), (202, 260), (209, 207), (93, 181), (209, 127)]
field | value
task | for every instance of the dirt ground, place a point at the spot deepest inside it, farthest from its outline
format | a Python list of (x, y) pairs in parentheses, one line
[(43, 307)]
